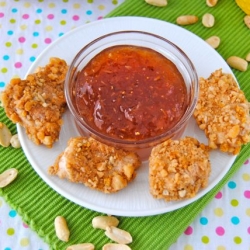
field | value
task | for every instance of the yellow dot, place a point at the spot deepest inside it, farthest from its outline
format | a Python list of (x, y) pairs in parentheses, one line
[(248, 212), (19, 51), (2, 4), (246, 177), (4, 70), (237, 240), (10, 231), (76, 6), (24, 242), (220, 248), (218, 212), (234, 203), (34, 45), (205, 239), (1, 203), (63, 22), (27, 5), (101, 7), (188, 247), (52, 5), (23, 27), (48, 28)]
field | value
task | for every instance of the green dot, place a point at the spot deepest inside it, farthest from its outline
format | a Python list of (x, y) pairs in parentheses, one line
[(10, 231), (4, 70), (114, 2), (37, 21), (40, 1), (8, 44), (205, 239), (65, 1), (237, 240), (234, 203), (63, 22), (34, 46), (90, 1), (12, 20)]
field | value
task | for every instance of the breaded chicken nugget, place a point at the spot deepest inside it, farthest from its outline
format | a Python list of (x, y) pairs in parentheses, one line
[(38, 102), (222, 112), (178, 169), (96, 165)]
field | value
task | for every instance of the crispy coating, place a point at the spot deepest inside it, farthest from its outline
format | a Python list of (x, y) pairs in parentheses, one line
[(38, 102), (96, 165), (178, 169), (222, 112)]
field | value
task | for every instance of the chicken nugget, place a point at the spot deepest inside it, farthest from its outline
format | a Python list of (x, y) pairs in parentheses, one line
[(38, 102), (96, 165)]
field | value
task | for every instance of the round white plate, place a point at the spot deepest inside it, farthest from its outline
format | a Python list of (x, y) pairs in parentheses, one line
[(135, 200)]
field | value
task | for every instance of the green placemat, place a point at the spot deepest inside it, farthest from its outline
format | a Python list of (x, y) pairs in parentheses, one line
[(38, 204)]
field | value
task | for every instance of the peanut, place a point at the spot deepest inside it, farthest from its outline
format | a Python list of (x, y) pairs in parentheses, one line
[(118, 235), (114, 246), (83, 246), (247, 21), (158, 3), (14, 141), (237, 63), (211, 3), (5, 135), (213, 41), (208, 20), (104, 221), (186, 20), (61, 228), (7, 177), (248, 57)]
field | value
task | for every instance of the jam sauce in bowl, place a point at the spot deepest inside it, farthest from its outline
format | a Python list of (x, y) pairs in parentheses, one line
[(131, 90)]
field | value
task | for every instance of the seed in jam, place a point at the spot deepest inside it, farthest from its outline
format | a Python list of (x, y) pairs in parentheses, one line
[(130, 92)]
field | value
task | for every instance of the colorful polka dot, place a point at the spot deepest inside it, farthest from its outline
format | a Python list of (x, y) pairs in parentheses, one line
[(188, 231), (221, 248), (32, 58), (205, 239), (47, 40), (35, 33), (234, 203), (1, 14), (4, 70), (50, 16), (188, 247), (21, 39), (235, 220), (37, 21), (247, 194), (19, 51), (24, 242), (76, 6), (89, 12), (101, 7), (2, 84), (75, 17), (6, 57), (248, 212), (34, 46), (39, 11), (23, 27), (218, 212), (219, 195), (63, 22), (246, 177), (52, 5), (220, 231), (248, 230), (18, 65), (12, 213), (26, 16), (10, 32), (63, 11), (12, 21), (237, 240), (203, 221), (25, 225), (10, 231), (14, 10), (231, 184)]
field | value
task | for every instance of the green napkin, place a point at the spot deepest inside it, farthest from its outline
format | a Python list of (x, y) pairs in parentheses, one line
[(38, 204)]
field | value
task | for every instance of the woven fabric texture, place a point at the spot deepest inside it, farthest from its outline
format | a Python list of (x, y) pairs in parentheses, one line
[(38, 204)]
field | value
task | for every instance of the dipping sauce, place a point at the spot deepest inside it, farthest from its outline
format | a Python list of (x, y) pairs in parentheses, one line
[(130, 92)]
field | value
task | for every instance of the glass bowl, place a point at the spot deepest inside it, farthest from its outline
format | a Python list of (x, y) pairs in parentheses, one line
[(134, 39)]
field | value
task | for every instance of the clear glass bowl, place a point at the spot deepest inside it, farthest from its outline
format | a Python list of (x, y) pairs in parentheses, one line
[(143, 39)]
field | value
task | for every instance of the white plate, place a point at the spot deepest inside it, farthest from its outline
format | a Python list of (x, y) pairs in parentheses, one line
[(135, 200)]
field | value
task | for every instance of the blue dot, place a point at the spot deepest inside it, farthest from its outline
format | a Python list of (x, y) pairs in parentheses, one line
[(231, 184), (10, 32), (39, 11), (14, 10), (89, 12), (203, 221), (12, 213), (32, 58), (35, 33), (235, 220), (64, 11), (6, 57), (61, 34), (2, 84), (7, 248)]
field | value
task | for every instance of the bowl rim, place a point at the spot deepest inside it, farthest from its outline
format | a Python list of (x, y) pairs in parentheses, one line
[(126, 142)]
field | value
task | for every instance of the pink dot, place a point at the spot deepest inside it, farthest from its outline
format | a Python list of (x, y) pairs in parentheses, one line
[(21, 39), (25, 16), (100, 17), (1, 14), (75, 18), (25, 225), (50, 16), (47, 40), (246, 162), (247, 194), (219, 195), (18, 65), (188, 231), (220, 231), (248, 230)]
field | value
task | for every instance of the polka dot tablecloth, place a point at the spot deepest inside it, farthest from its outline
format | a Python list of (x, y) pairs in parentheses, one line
[(26, 29)]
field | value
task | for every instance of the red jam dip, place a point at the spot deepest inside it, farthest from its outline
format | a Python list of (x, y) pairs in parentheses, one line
[(131, 93)]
